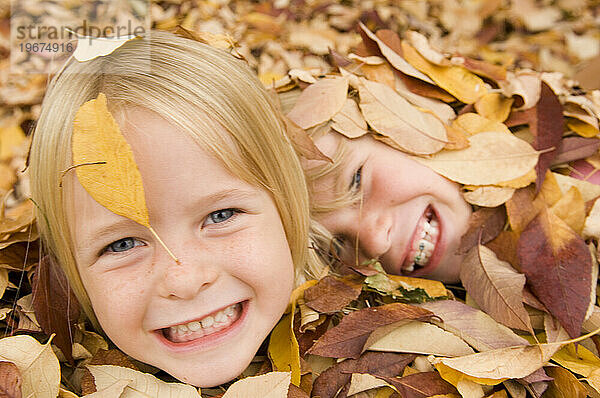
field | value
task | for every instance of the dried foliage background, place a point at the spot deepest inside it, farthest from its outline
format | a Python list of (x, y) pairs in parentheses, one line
[(281, 39)]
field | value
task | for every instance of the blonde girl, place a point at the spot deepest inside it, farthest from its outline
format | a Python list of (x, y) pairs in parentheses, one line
[(224, 191)]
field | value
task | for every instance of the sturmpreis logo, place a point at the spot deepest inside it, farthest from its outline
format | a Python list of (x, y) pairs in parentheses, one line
[(43, 34)]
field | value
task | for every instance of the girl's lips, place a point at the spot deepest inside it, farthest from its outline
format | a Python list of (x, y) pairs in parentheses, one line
[(209, 341)]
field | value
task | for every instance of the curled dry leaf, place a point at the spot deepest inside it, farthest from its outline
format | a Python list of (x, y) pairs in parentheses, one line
[(303, 143), (524, 86), (349, 121), (348, 338), (492, 157), (456, 80), (391, 115), (269, 385), (421, 44), (140, 384), (473, 123), (423, 385), (443, 111), (475, 327), (37, 364), (419, 338), (89, 47), (393, 57), (319, 102), (363, 381), (496, 287), (564, 384), (558, 267), (489, 196)]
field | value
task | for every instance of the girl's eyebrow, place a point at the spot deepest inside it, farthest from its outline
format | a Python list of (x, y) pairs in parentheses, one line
[(228, 194), (104, 230)]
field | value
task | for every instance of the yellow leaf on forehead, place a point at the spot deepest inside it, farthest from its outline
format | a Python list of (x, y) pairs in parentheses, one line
[(116, 184)]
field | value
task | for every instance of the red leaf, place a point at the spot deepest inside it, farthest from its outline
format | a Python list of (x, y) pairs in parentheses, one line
[(421, 385), (55, 305), (575, 148), (485, 222), (558, 267), (10, 380), (380, 364), (332, 294), (347, 339)]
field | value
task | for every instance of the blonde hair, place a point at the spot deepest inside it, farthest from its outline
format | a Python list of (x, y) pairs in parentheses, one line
[(184, 81)]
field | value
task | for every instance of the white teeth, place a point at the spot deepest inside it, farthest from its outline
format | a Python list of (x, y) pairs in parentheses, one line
[(423, 248), (221, 317), (194, 326), (208, 322)]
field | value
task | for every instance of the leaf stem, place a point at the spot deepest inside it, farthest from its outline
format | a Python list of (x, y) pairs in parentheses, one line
[(163, 244)]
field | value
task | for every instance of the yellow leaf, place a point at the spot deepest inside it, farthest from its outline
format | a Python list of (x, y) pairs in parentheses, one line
[(582, 128), (492, 157), (519, 182), (494, 106), (283, 348), (284, 351), (10, 137), (116, 183), (564, 385), (432, 288), (139, 384), (105, 165), (472, 123), (577, 359), (453, 376), (550, 191), (269, 385), (37, 364), (458, 81), (571, 209)]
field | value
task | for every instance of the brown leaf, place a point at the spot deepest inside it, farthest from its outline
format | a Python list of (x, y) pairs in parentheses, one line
[(505, 247), (296, 392), (380, 364), (55, 305), (558, 266), (496, 287), (332, 294), (547, 124), (575, 148), (522, 208), (564, 385), (421, 385), (303, 143), (10, 380), (348, 338), (484, 225)]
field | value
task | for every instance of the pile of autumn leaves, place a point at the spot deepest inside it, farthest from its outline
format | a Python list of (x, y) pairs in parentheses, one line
[(530, 271)]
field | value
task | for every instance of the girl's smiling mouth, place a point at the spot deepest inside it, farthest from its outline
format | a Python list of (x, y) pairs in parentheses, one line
[(206, 331), (424, 243)]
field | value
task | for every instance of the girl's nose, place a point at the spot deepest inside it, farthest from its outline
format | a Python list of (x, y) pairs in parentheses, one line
[(373, 236), (187, 279)]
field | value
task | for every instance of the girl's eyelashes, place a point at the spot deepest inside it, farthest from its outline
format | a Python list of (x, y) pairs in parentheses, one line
[(122, 245), (356, 179), (221, 216)]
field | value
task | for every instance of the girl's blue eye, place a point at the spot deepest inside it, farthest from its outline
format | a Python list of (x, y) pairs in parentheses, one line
[(356, 179), (122, 245), (220, 216)]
